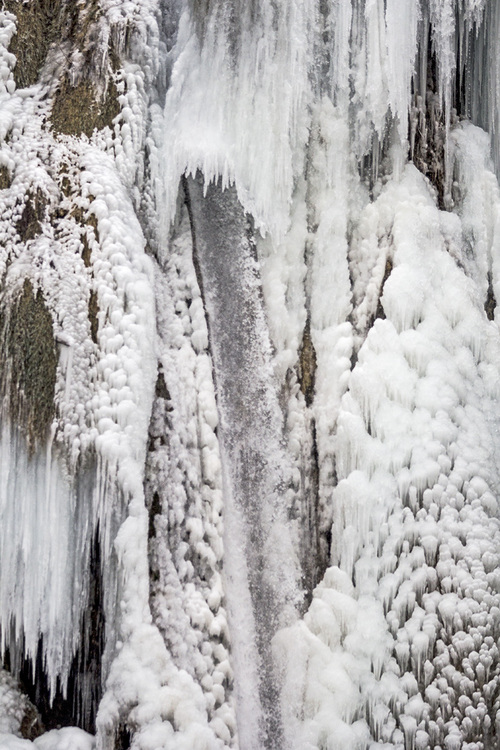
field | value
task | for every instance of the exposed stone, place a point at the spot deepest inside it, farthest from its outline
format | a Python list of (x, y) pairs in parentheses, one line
[(380, 312), (86, 252), (78, 110), (5, 178), (29, 363), (31, 725), (86, 221), (29, 225), (307, 365), (491, 303), (65, 182), (93, 313)]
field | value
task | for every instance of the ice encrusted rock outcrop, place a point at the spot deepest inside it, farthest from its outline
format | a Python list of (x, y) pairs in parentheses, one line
[(250, 447)]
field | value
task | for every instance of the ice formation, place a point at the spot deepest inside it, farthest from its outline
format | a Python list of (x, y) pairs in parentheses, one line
[(249, 446)]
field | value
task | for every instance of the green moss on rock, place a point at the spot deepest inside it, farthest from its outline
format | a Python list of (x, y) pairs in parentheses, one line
[(77, 110), (39, 24), (82, 20), (29, 363)]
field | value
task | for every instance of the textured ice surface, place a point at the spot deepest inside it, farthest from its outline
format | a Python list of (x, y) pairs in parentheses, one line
[(69, 738), (381, 468)]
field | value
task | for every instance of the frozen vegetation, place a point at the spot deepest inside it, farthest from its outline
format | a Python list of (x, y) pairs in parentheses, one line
[(250, 375)]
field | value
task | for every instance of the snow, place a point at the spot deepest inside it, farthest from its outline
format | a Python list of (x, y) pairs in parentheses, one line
[(319, 565), (185, 471), (68, 738), (104, 393), (398, 425), (13, 705)]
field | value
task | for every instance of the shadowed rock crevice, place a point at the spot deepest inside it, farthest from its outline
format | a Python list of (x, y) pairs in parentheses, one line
[(428, 128), (78, 704), (93, 316), (380, 312), (490, 303), (307, 365)]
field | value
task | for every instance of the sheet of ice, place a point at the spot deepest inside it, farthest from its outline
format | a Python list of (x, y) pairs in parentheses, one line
[(223, 107), (104, 389), (406, 265)]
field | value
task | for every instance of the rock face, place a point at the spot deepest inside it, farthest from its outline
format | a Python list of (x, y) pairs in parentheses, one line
[(249, 445)]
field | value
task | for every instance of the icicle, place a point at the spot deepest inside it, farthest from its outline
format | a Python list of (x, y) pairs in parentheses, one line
[(402, 43)]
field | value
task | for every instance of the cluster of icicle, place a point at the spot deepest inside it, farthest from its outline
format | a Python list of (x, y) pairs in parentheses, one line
[(313, 111), (248, 78)]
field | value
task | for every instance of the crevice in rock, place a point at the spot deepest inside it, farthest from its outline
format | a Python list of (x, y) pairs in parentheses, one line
[(380, 312), (307, 364), (77, 704), (490, 303)]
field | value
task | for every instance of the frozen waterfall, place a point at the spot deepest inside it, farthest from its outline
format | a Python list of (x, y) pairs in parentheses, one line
[(250, 375)]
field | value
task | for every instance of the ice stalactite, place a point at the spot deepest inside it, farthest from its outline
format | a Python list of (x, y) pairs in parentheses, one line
[(233, 65), (77, 370), (417, 465), (249, 261)]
